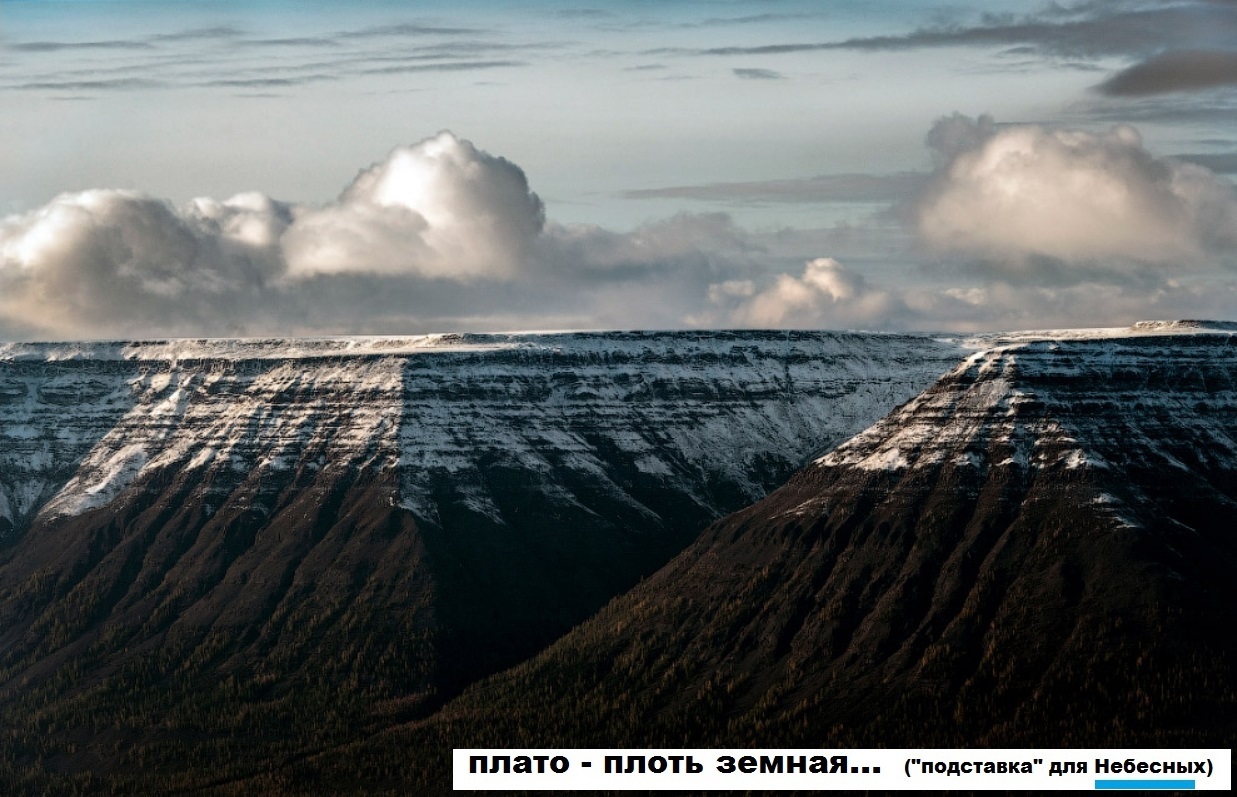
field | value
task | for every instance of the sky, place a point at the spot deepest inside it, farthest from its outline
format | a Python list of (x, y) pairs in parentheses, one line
[(218, 168)]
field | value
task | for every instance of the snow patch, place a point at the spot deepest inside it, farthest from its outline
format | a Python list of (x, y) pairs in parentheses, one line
[(1075, 459), (98, 485), (890, 459), (968, 459), (204, 456)]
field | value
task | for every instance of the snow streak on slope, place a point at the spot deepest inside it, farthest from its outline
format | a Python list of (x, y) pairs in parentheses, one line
[(339, 414), (51, 415)]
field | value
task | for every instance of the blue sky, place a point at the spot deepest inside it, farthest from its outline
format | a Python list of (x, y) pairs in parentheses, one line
[(693, 164)]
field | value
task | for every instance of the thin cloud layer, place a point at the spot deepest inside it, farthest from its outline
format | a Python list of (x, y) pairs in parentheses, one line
[(1185, 70), (885, 188), (1083, 30), (1014, 194), (225, 56), (757, 74)]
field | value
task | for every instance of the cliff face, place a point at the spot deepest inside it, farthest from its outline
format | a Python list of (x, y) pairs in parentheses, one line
[(365, 525), (1036, 551), (83, 423)]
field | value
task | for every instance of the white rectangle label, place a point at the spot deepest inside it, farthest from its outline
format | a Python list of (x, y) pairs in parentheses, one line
[(827, 770)]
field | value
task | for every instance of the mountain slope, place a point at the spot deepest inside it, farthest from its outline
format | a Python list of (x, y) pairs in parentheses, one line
[(1036, 551), (288, 542)]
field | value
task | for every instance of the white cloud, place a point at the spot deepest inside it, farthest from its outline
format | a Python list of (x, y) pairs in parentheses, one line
[(111, 263), (444, 236), (441, 209), (98, 260), (1012, 194), (826, 295), (439, 235)]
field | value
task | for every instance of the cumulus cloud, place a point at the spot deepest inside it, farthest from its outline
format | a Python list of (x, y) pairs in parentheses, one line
[(439, 235), (86, 261), (1012, 195), (442, 235), (827, 294), (441, 209)]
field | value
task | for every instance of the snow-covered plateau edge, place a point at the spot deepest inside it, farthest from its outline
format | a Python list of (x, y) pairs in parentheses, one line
[(370, 345)]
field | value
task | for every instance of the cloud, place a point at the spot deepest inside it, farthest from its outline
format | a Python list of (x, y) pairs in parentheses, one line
[(827, 294), (438, 235), (55, 46), (266, 82), (758, 74), (294, 41), (115, 84), (1087, 30), (442, 235), (1182, 70), (102, 260), (1215, 109), (405, 30), (451, 66), (830, 295), (1019, 194), (213, 33), (822, 188), (1218, 162), (108, 262), (441, 209), (231, 57)]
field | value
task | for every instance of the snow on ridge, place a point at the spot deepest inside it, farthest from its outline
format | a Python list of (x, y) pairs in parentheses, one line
[(666, 405), (1155, 397), (1183, 326), (989, 340), (291, 348), (178, 349)]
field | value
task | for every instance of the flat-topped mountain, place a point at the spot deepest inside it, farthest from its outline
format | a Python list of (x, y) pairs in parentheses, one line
[(263, 566), (296, 540)]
